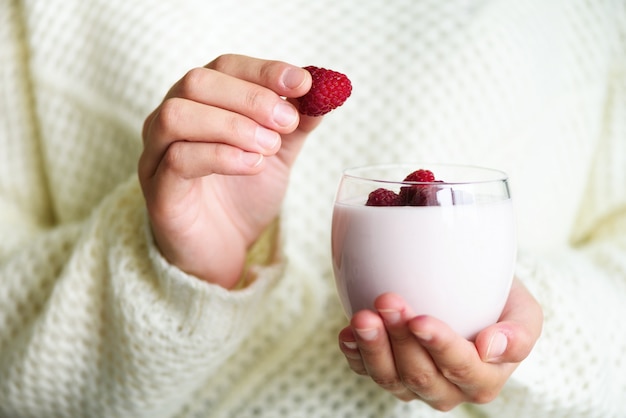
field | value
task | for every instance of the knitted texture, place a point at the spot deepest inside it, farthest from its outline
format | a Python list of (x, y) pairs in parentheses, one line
[(95, 323)]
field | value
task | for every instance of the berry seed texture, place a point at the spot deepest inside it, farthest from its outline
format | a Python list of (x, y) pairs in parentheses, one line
[(329, 90)]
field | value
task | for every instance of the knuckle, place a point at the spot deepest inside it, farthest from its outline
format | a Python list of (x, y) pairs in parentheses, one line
[(147, 124), (170, 115), (357, 368), (221, 62), (223, 154), (256, 99), (461, 373), (420, 382), (390, 384), (269, 70), (172, 159), (236, 127), (484, 396), (191, 81), (266, 70)]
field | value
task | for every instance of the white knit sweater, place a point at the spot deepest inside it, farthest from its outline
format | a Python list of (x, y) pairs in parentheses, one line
[(94, 323)]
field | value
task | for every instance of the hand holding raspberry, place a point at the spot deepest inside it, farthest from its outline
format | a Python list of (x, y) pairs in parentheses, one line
[(212, 188)]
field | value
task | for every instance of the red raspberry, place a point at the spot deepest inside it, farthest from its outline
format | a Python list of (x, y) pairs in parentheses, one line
[(383, 197), (421, 176), (329, 90), (419, 194)]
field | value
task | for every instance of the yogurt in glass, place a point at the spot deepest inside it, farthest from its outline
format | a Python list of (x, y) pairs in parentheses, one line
[(453, 260)]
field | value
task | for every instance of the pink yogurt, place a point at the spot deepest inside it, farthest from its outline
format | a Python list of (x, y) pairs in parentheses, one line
[(453, 262)]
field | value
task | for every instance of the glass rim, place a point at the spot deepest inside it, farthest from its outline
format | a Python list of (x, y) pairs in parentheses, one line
[(497, 175)]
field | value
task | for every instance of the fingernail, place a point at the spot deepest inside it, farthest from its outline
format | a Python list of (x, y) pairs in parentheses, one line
[(424, 336), (284, 114), (266, 138), (390, 316), (350, 344), (251, 159), (368, 334), (420, 329), (497, 346), (293, 78)]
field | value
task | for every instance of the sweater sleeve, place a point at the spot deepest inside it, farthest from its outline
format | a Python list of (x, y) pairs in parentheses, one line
[(92, 310), (93, 321), (578, 367)]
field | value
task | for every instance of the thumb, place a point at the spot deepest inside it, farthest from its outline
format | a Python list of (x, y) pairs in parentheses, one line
[(514, 336), (292, 143), (505, 342)]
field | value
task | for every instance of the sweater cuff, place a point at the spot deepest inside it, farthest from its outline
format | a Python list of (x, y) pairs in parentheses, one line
[(199, 304)]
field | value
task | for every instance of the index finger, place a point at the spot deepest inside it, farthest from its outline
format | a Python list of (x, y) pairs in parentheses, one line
[(284, 79), (247, 86)]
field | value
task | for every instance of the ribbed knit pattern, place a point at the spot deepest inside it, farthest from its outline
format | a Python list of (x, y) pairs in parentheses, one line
[(95, 323)]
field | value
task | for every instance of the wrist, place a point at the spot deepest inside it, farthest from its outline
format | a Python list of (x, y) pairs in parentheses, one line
[(215, 261)]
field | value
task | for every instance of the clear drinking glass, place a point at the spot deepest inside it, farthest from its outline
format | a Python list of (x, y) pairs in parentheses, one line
[(452, 257)]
